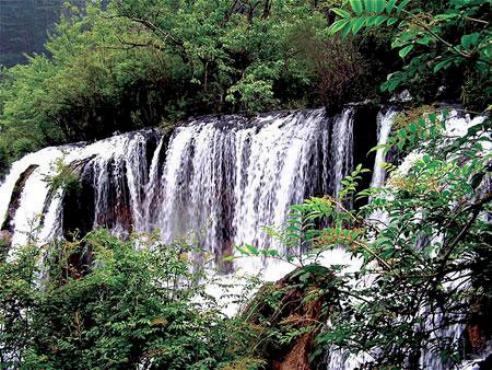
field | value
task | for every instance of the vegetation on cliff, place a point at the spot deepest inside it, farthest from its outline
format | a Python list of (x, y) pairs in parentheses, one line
[(133, 63), (127, 64)]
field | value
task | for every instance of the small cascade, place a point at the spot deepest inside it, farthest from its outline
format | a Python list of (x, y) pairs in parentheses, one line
[(342, 150), (113, 169), (385, 123), (24, 192)]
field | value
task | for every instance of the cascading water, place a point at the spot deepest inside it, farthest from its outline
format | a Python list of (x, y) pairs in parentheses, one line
[(384, 124), (214, 181)]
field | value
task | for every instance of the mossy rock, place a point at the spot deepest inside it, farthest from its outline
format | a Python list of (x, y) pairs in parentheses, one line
[(289, 313)]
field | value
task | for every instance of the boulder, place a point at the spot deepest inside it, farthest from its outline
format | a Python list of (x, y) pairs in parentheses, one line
[(295, 307)]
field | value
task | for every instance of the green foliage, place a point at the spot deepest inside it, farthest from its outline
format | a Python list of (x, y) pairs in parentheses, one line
[(429, 253), (101, 303), (433, 40), (65, 178)]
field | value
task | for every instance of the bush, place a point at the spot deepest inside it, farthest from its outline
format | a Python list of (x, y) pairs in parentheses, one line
[(101, 303), (65, 178)]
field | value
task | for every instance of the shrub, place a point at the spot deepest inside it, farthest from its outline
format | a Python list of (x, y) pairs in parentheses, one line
[(102, 303)]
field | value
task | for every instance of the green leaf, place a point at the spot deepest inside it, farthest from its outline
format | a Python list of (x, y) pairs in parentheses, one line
[(425, 40), (390, 6), (251, 249), (337, 26), (357, 6), (405, 51), (402, 133), (470, 41), (357, 24), (376, 20), (379, 6), (391, 21), (369, 5), (402, 6), (228, 258), (443, 65), (341, 13), (446, 17), (347, 29), (432, 117), (380, 19)]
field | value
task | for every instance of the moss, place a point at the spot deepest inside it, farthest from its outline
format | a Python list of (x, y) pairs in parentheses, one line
[(247, 363), (403, 119)]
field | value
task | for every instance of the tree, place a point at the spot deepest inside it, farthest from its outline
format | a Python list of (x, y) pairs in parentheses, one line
[(442, 45), (132, 64)]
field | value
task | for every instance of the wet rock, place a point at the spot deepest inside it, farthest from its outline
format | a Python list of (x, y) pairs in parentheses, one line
[(5, 243), (478, 331), (78, 207), (16, 197)]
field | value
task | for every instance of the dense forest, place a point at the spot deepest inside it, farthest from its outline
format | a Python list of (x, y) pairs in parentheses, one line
[(102, 298)]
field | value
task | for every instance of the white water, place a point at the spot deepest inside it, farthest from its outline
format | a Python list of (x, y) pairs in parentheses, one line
[(385, 122), (384, 125), (216, 181), (222, 182)]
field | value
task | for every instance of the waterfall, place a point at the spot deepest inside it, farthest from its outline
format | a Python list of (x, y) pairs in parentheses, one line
[(384, 124), (215, 181), (342, 150), (27, 183), (223, 180)]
